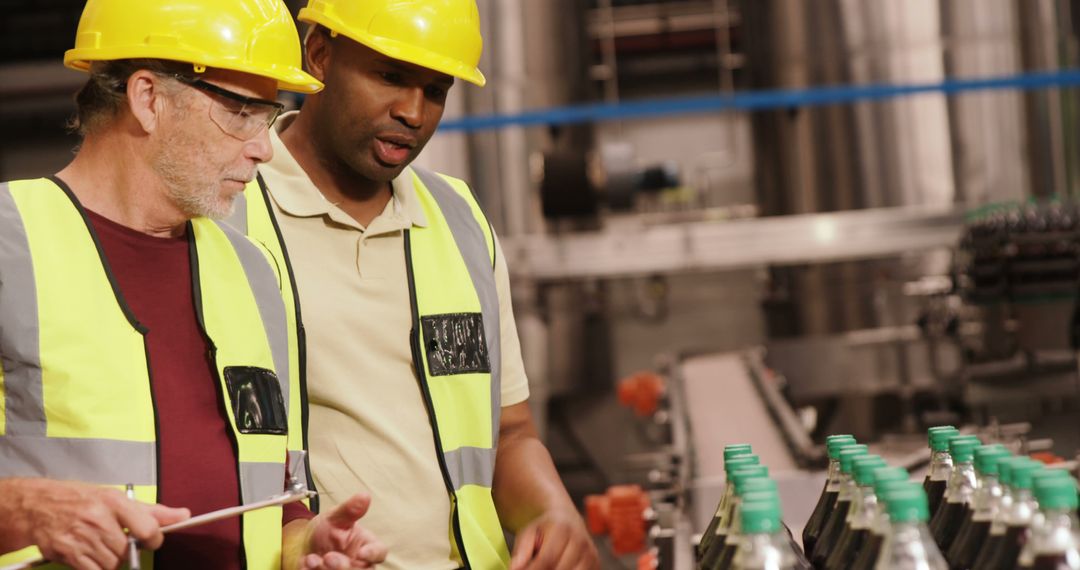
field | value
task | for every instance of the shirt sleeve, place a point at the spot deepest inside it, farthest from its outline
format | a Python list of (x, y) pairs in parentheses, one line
[(515, 384)]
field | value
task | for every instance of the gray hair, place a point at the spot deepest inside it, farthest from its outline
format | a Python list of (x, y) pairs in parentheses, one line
[(103, 96)]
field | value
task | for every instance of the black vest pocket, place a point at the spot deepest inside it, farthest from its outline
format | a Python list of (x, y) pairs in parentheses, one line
[(257, 403), (455, 343)]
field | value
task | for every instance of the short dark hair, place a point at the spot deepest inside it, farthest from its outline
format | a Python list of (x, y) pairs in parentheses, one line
[(102, 97)]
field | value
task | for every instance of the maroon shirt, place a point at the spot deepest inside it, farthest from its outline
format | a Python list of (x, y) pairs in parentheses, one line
[(196, 457)]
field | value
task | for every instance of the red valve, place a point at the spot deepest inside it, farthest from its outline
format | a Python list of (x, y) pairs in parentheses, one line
[(641, 392)]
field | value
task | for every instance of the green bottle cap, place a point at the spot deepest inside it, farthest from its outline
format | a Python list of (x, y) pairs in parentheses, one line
[(756, 484), (1056, 492), (835, 446), (886, 475), (864, 468), (736, 449), (771, 496), (848, 455), (962, 448), (1022, 473), (1005, 468), (908, 504), (760, 518), (740, 461), (935, 429), (987, 458), (742, 474), (938, 437), (1050, 473)]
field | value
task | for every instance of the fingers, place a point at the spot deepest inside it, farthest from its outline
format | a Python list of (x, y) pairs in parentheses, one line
[(524, 546), (169, 515), (329, 561), (550, 548), (138, 518), (350, 511), (373, 551)]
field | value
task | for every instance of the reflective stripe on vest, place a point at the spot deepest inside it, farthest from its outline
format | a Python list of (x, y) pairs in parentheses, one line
[(77, 401), (256, 221), (451, 273), (457, 253)]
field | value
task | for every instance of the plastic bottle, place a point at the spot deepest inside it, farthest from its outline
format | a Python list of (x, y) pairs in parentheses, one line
[(730, 452), (860, 516), (1054, 542), (1017, 517), (984, 504), (834, 524), (940, 464), (725, 539), (748, 486), (764, 545), (945, 523), (827, 499), (885, 479), (714, 540), (988, 552), (908, 544)]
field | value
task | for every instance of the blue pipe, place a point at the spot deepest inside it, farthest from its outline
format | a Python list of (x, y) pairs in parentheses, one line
[(757, 101)]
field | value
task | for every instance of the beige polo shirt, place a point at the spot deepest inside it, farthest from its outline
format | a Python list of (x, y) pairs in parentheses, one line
[(369, 430)]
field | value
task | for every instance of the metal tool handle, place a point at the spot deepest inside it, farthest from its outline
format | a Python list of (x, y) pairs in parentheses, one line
[(291, 496), (133, 544)]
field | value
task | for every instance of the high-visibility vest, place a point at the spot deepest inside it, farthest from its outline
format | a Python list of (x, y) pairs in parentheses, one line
[(454, 342), (76, 399)]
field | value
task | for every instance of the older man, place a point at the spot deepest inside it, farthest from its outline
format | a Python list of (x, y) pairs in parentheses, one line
[(142, 342)]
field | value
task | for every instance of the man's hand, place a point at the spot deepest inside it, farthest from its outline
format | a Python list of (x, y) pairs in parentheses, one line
[(78, 524), (336, 541), (556, 540)]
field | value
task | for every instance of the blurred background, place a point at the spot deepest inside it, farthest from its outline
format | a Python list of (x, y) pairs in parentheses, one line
[(755, 220)]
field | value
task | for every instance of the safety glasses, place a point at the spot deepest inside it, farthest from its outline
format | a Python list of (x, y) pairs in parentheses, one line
[(237, 115)]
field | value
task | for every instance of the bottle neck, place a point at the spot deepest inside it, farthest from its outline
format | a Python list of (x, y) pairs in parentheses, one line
[(962, 482), (986, 498), (1057, 532), (863, 508), (846, 487), (910, 545), (832, 483), (941, 465), (1021, 510), (765, 551)]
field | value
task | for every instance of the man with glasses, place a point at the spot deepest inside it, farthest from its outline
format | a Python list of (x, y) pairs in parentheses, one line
[(144, 344), (416, 385)]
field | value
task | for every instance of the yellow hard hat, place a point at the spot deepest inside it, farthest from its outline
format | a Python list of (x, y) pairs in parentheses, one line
[(443, 35), (252, 36)]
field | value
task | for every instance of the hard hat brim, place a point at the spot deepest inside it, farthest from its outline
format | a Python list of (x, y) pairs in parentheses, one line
[(288, 78), (396, 49)]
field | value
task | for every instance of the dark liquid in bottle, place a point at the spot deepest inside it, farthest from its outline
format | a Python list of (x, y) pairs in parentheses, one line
[(935, 491), (967, 544), (867, 556), (988, 554), (1015, 537), (707, 537), (726, 557), (830, 533), (948, 519), (847, 547), (711, 555), (1052, 562), (826, 503)]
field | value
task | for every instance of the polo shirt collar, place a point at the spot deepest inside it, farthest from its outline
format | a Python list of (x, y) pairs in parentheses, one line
[(299, 197)]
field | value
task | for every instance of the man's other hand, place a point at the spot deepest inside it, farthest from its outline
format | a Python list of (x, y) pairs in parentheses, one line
[(336, 541), (557, 541)]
